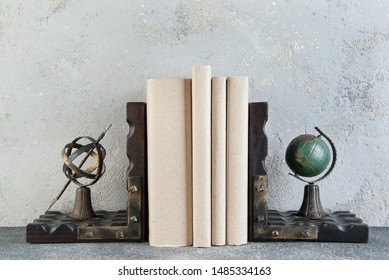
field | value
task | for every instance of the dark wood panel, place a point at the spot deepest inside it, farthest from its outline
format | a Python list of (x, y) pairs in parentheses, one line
[(137, 155), (258, 115)]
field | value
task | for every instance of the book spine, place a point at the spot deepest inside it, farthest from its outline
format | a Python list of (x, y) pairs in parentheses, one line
[(237, 160), (201, 129), (169, 138), (218, 185)]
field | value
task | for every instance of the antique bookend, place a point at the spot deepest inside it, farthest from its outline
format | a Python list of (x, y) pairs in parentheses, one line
[(310, 223), (99, 226)]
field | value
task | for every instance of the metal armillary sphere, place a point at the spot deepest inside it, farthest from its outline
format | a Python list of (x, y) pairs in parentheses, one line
[(83, 206), (73, 150)]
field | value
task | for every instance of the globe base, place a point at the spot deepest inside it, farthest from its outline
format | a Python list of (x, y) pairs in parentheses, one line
[(82, 209), (311, 207)]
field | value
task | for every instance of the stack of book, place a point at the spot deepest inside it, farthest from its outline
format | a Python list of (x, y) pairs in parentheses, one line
[(197, 138)]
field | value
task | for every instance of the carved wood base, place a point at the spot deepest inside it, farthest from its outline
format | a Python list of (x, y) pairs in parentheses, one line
[(339, 226), (125, 225), (57, 227), (273, 225)]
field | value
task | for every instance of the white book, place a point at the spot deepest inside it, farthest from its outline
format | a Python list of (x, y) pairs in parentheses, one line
[(237, 160), (169, 150), (218, 186), (201, 137)]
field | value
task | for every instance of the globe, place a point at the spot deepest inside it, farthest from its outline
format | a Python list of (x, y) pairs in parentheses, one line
[(307, 155)]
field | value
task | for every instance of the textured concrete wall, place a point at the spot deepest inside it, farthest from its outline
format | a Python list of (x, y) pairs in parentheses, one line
[(67, 68)]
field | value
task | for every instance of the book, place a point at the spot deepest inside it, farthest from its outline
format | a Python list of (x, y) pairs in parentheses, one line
[(237, 160), (201, 137), (169, 139), (218, 182)]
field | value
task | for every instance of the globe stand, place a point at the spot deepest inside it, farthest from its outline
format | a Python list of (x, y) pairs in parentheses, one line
[(311, 207), (82, 209)]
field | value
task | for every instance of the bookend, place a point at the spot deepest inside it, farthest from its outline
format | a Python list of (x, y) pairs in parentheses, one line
[(124, 225), (273, 225)]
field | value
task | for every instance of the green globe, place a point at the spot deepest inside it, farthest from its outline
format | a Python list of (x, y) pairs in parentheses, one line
[(307, 155)]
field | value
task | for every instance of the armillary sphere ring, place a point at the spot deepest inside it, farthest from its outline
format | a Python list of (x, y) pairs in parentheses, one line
[(95, 150)]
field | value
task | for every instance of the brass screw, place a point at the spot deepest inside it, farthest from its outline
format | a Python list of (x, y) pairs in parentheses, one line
[(275, 233), (133, 189), (119, 235), (260, 219), (89, 234), (305, 233), (133, 219)]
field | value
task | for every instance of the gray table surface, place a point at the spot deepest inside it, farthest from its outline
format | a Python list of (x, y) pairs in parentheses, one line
[(14, 247)]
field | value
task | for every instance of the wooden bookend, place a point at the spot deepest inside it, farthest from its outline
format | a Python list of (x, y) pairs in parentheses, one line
[(123, 225), (273, 225), (136, 223)]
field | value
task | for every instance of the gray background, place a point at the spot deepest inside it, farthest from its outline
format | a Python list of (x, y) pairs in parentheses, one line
[(67, 68)]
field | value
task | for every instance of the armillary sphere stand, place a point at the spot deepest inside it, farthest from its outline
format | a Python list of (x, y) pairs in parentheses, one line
[(83, 209)]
